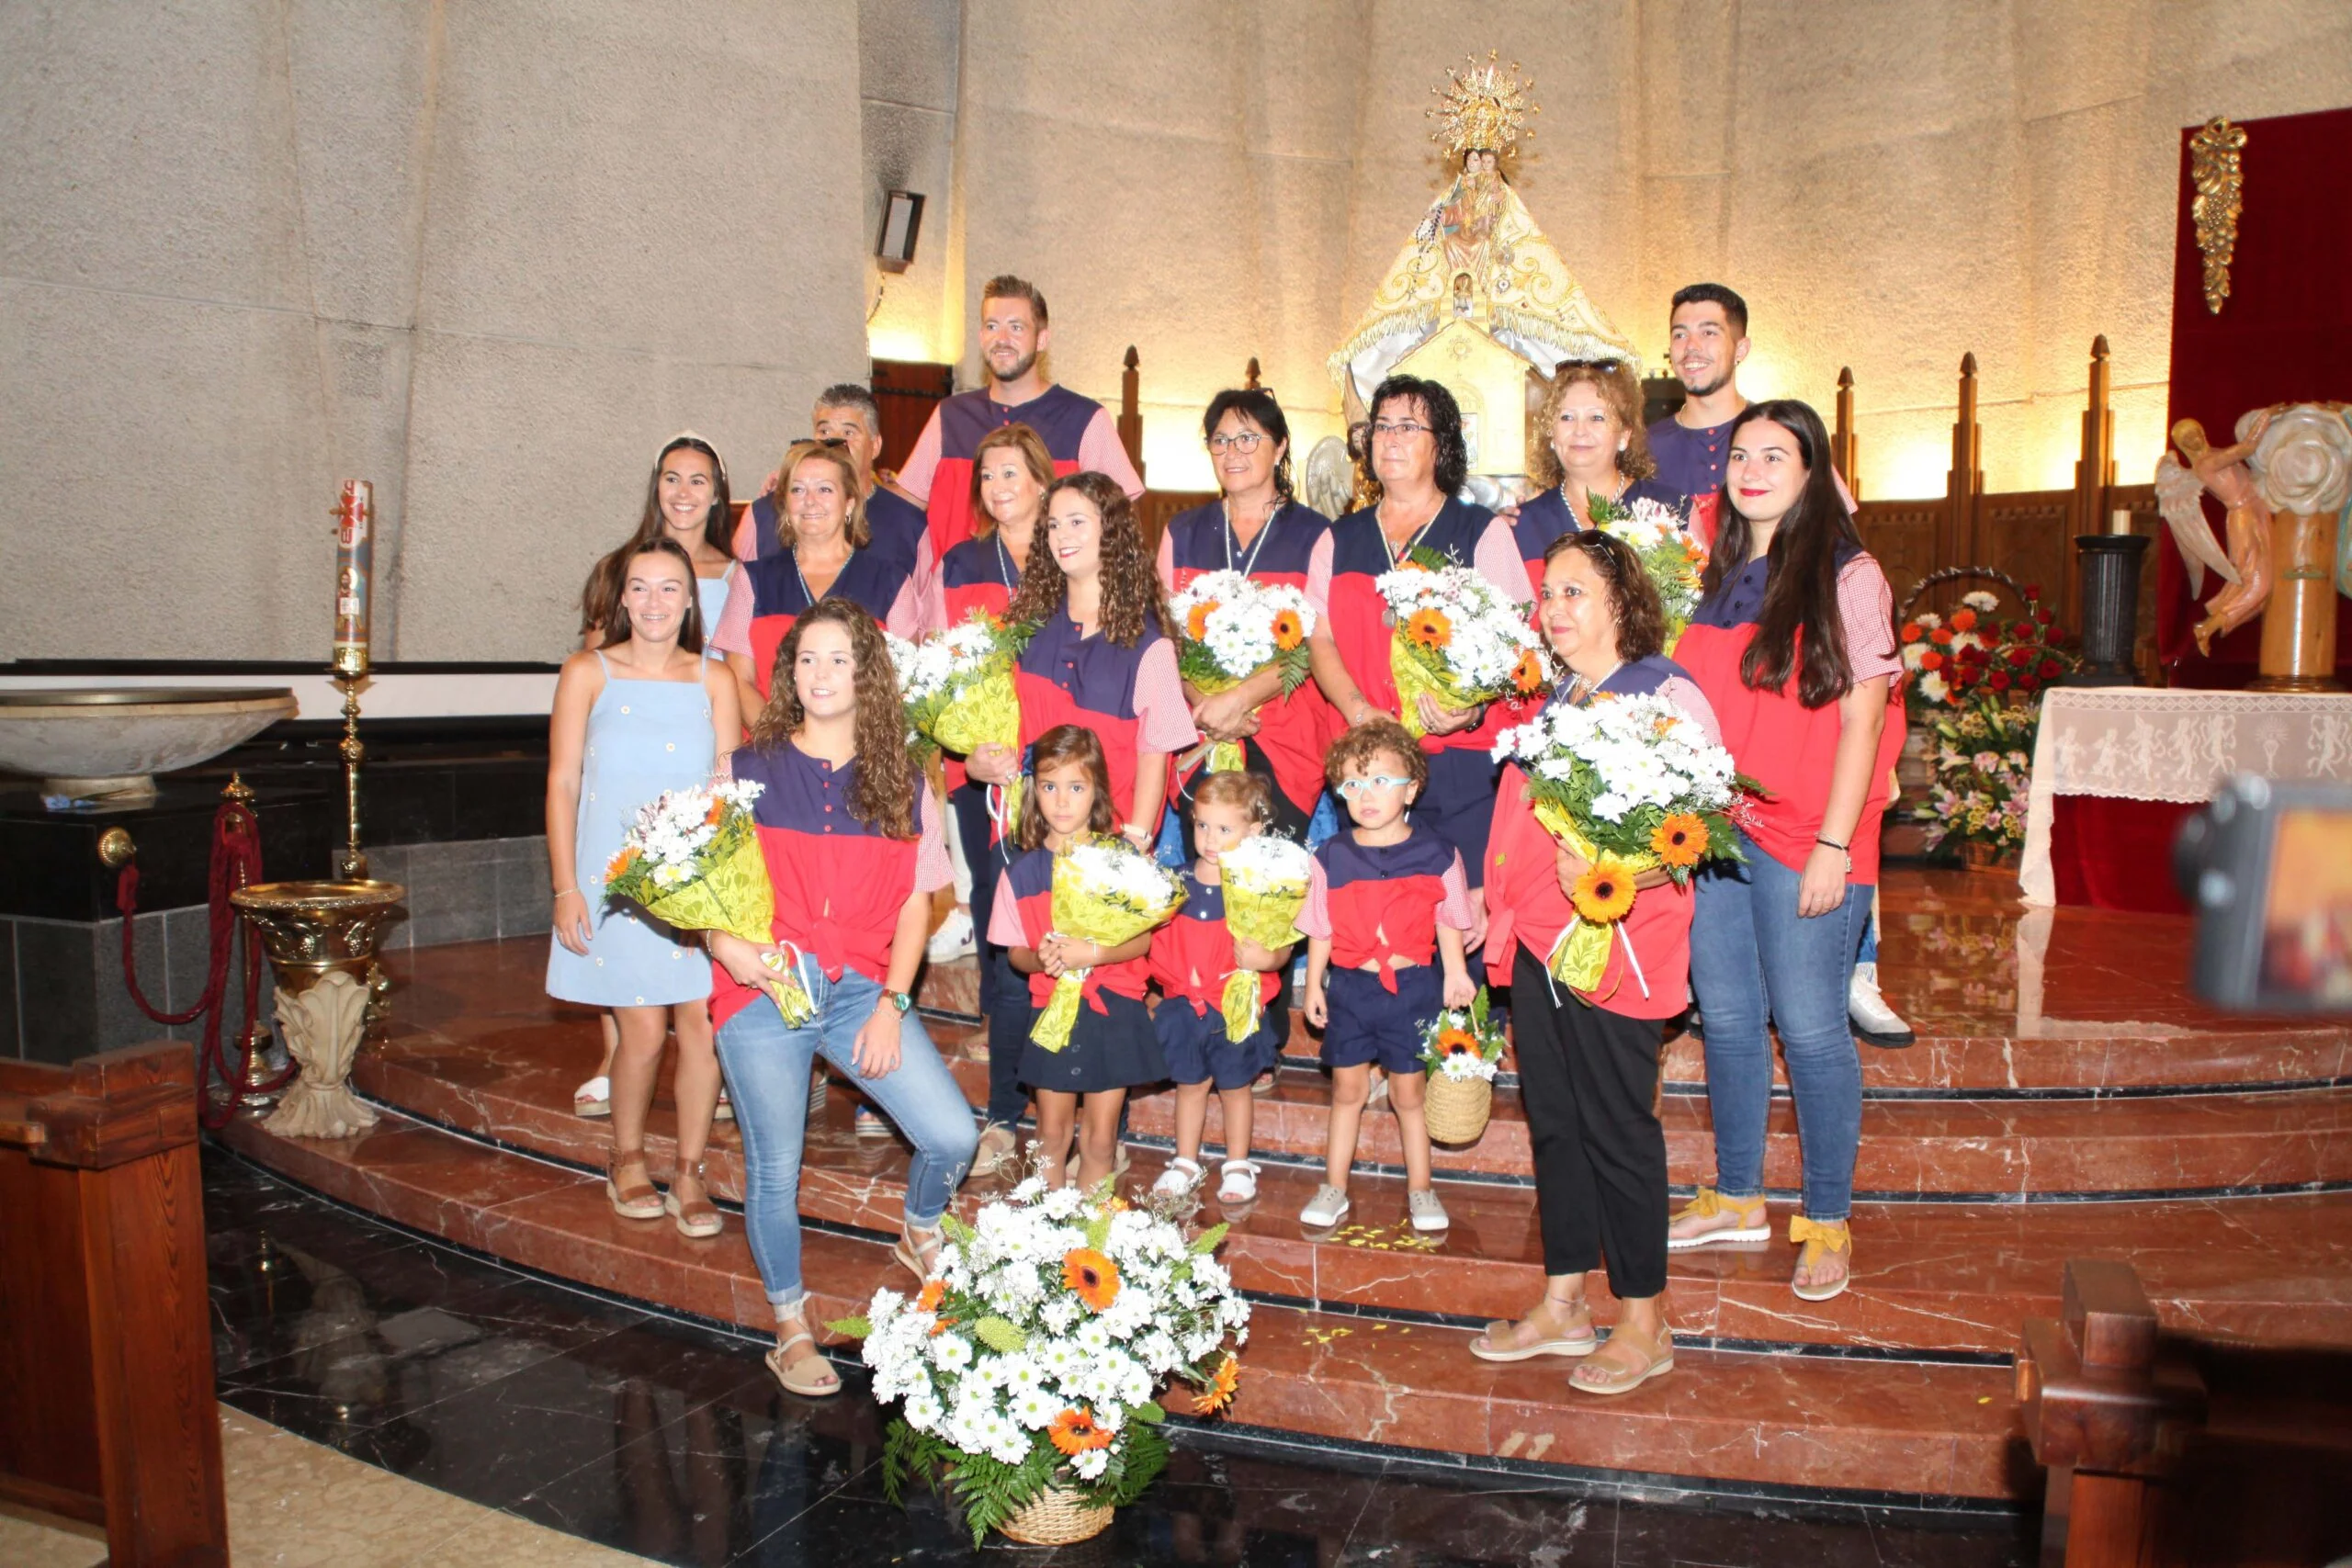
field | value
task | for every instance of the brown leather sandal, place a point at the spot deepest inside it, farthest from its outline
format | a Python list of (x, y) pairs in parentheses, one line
[(635, 1200), (697, 1216), (1605, 1373), (809, 1374), (1560, 1328)]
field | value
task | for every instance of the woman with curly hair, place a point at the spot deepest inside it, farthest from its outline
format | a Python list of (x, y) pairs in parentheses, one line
[(1595, 450), (1102, 656), (853, 846)]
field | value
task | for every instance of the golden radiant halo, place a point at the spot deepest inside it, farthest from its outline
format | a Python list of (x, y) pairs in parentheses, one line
[(1481, 106)]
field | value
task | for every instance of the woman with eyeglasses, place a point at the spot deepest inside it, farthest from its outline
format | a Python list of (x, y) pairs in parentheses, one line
[(1420, 459), (1260, 529), (1595, 449)]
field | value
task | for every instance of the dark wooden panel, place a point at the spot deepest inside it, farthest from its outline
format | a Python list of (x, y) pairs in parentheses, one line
[(2029, 535), (1153, 512), (906, 391), (49, 1437), (1902, 535)]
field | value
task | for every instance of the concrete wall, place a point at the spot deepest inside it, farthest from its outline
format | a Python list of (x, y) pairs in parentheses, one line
[(487, 255)]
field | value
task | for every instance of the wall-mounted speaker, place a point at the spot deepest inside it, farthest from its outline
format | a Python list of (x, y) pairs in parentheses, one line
[(902, 219)]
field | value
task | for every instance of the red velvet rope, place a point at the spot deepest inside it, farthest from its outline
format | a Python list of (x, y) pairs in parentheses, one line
[(236, 863)]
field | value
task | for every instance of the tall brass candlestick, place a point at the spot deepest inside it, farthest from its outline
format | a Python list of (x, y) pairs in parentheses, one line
[(355, 558)]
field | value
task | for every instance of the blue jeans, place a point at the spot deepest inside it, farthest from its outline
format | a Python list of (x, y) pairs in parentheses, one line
[(1869, 939), (1754, 961), (767, 1065)]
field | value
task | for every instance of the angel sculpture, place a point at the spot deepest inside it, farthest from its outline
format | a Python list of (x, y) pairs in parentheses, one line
[(2246, 570)]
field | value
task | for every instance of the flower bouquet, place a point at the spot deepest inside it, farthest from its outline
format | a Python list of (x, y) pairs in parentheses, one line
[(1627, 784), (1265, 888), (1106, 892), (1982, 762), (1026, 1369), (1671, 557), (1457, 640), (692, 859), (1233, 627), (1461, 1050), (959, 690), (1953, 660)]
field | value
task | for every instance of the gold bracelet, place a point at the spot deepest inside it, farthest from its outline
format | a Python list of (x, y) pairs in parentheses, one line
[(561, 891)]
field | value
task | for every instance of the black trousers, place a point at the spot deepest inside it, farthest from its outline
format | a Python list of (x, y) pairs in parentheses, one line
[(1005, 991), (1587, 1077)]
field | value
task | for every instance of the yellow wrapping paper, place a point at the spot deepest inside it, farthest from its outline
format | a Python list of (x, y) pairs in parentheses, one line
[(1581, 956), (1089, 917), (1265, 917), (1414, 677), (732, 895), (1226, 757)]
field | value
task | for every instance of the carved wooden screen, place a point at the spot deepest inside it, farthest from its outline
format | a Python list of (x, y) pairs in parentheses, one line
[(1158, 506), (1901, 535), (2027, 534)]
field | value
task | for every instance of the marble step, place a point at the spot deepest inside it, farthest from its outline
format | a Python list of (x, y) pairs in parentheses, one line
[(1935, 1279), (1818, 1423)]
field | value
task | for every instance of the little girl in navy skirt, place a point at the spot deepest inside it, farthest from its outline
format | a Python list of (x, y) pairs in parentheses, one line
[(1112, 1048), (1191, 957)]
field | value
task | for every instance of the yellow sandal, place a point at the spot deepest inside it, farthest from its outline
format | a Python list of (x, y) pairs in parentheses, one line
[(1819, 1238)]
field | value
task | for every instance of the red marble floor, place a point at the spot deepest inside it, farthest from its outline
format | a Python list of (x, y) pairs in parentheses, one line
[(1987, 1157)]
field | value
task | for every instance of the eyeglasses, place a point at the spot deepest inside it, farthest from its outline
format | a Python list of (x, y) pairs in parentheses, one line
[(1244, 443), (1401, 430), (1350, 788)]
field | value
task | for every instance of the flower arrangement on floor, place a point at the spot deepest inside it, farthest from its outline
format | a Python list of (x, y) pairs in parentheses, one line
[(1627, 784), (1456, 638), (1231, 627), (1674, 559), (1982, 756), (1025, 1370), (1973, 651), (1265, 888), (1105, 891), (692, 858), (1461, 1050)]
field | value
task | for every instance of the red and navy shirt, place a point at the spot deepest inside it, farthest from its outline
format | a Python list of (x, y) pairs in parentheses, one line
[(840, 885), (1023, 917), (1058, 415), (891, 519), (979, 574), (1790, 748), (1378, 903), (872, 578), (1193, 954), (1292, 731), (1546, 518), (1092, 681)]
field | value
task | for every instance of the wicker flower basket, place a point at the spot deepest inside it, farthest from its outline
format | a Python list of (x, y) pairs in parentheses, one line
[(1457, 1108), (1055, 1517)]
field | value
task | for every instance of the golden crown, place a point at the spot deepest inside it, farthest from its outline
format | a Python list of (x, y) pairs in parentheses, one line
[(1481, 106)]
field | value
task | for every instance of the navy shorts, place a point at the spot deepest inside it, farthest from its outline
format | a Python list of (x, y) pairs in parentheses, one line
[(1198, 1052), (1368, 1024)]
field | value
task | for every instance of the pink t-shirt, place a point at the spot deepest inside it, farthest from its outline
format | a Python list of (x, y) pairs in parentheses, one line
[(1315, 919)]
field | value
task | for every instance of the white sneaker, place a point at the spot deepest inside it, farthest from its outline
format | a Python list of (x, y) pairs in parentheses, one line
[(1871, 1018), (1428, 1213), (1180, 1177), (1328, 1207), (954, 939)]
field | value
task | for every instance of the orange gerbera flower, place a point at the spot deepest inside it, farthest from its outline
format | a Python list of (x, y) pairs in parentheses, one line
[(933, 1291), (711, 817), (1430, 628), (1074, 1432), (1288, 633), (1526, 675), (1910, 632), (1963, 619), (1604, 894), (1680, 839), (1095, 1277), (1454, 1041), (1219, 1393), (1196, 625), (620, 863)]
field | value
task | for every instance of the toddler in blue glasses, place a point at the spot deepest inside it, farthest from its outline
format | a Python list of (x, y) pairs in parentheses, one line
[(1386, 911)]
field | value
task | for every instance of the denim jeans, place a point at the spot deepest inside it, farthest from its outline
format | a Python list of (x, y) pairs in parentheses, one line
[(1869, 939), (768, 1064), (1754, 961)]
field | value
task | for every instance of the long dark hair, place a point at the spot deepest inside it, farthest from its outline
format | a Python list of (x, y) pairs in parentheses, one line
[(882, 796), (1258, 406), (604, 588), (615, 625), (1445, 423), (1131, 595), (1798, 632)]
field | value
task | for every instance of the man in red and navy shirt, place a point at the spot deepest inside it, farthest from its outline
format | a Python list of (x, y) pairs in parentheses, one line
[(847, 413), (1078, 430)]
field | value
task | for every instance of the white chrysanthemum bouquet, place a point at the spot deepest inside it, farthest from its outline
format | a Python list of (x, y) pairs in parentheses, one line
[(1670, 554), (958, 683), (1105, 891), (1627, 784), (1233, 627), (1264, 880), (1033, 1356), (693, 858), (1456, 638)]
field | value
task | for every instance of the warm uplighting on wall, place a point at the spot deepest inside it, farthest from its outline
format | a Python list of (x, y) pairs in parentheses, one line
[(900, 342)]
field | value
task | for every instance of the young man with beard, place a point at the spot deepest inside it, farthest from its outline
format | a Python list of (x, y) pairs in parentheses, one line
[(1079, 433)]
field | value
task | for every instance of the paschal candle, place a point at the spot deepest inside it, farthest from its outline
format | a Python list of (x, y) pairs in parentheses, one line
[(355, 553)]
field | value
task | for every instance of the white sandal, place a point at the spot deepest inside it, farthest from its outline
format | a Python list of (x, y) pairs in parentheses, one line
[(1180, 1177), (1241, 1181), (594, 1098)]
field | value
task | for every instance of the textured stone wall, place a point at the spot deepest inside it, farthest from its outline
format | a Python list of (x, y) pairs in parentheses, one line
[(489, 255)]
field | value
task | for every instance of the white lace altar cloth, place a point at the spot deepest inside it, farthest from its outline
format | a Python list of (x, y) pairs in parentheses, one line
[(2142, 744)]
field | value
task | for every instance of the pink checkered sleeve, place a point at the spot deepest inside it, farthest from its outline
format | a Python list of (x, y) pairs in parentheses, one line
[(1318, 577), (1866, 617), (1166, 562), (1453, 908), (1005, 929), (1685, 695), (1315, 915), (1101, 450), (1163, 719), (915, 473), (1497, 560), (733, 632), (934, 868)]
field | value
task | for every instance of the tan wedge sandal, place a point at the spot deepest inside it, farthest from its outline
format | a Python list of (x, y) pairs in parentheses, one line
[(1560, 1329), (1605, 1373), (635, 1200), (919, 1250), (809, 1375), (697, 1216)]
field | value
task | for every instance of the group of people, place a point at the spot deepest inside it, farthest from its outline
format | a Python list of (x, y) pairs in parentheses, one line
[(759, 652)]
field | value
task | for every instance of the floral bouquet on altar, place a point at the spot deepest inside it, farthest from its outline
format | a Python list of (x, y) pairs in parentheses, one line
[(1672, 558), (1026, 1369), (1456, 638), (692, 859), (1983, 762), (1627, 784), (1973, 652), (1265, 888), (1233, 627), (1461, 1050), (1105, 891)]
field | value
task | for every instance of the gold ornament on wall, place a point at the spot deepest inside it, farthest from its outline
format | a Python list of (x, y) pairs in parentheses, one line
[(1482, 106), (2214, 170)]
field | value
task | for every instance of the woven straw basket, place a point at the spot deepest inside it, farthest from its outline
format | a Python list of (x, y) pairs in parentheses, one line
[(1457, 1108), (1055, 1517)]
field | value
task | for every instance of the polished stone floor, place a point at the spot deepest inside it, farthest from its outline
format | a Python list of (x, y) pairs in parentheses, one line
[(640, 1432)]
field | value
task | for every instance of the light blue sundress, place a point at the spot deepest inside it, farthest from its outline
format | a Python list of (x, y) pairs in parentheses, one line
[(644, 737), (711, 592)]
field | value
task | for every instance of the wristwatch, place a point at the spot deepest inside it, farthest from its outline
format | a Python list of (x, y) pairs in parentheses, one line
[(899, 999)]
